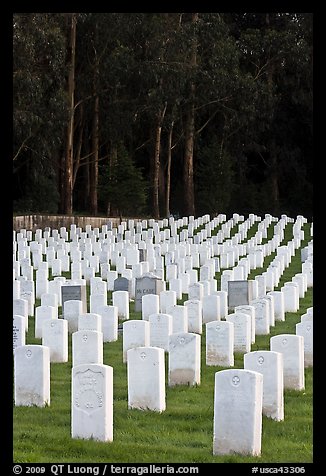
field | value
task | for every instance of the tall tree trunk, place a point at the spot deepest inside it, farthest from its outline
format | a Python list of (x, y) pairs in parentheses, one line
[(79, 145), (86, 168), (95, 131), (162, 185), (188, 161), (272, 148), (168, 172), (274, 181), (156, 162), (68, 176), (94, 159), (61, 182), (113, 157)]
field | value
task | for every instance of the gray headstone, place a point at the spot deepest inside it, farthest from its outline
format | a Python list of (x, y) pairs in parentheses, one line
[(142, 255), (122, 284), (304, 254), (238, 293), (146, 285), (74, 292)]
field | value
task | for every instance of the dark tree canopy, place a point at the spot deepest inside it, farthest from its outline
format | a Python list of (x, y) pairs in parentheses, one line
[(158, 113)]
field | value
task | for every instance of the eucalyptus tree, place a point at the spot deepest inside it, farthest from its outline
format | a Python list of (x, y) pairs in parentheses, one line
[(276, 50), (39, 106)]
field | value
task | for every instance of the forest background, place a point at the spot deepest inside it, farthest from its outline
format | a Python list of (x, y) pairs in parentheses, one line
[(152, 114)]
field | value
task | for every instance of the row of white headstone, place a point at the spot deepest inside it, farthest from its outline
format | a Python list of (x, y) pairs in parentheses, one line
[(236, 333), (243, 395), (25, 288), (174, 373)]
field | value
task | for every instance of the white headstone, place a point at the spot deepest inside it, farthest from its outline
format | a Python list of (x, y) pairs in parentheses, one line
[(18, 337), (184, 359), (306, 317), (242, 331), (160, 330), (90, 321), (20, 308), (290, 298), (42, 287), (109, 316), (176, 285), (179, 315), (146, 378), (238, 399), (55, 337), (253, 289), (16, 289), (292, 348), (261, 280), (135, 334), (92, 402), (278, 305), (301, 280), (196, 291), (250, 310), (56, 267), (120, 299), (270, 300), (262, 321), (96, 301), (220, 343), (41, 314), (211, 308), (97, 286), (87, 347), (50, 299), (195, 315), (270, 365), (168, 299), (310, 310), (305, 329), (223, 295), (110, 278), (71, 312), (27, 291), (32, 375), (150, 305)]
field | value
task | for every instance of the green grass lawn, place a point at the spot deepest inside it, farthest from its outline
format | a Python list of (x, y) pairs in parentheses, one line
[(181, 434)]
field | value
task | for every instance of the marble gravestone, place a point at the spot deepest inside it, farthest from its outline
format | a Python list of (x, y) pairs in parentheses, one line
[(92, 402), (184, 359), (18, 337), (160, 329), (146, 378), (87, 347), (135, 334), (270, 365), (55, 337), (220, 343), (238, 400), (238, 293), (32, 375), (74, 292), (122, 284), (146, 285), (292, 348)]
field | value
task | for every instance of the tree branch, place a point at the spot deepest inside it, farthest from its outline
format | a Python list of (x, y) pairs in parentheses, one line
[(207, 122), (22, 146)]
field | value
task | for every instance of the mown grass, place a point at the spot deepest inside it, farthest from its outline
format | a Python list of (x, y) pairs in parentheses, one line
[(181, 434)]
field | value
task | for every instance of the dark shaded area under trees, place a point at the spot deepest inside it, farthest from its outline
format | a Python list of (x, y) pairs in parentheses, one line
[(137, 114)]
